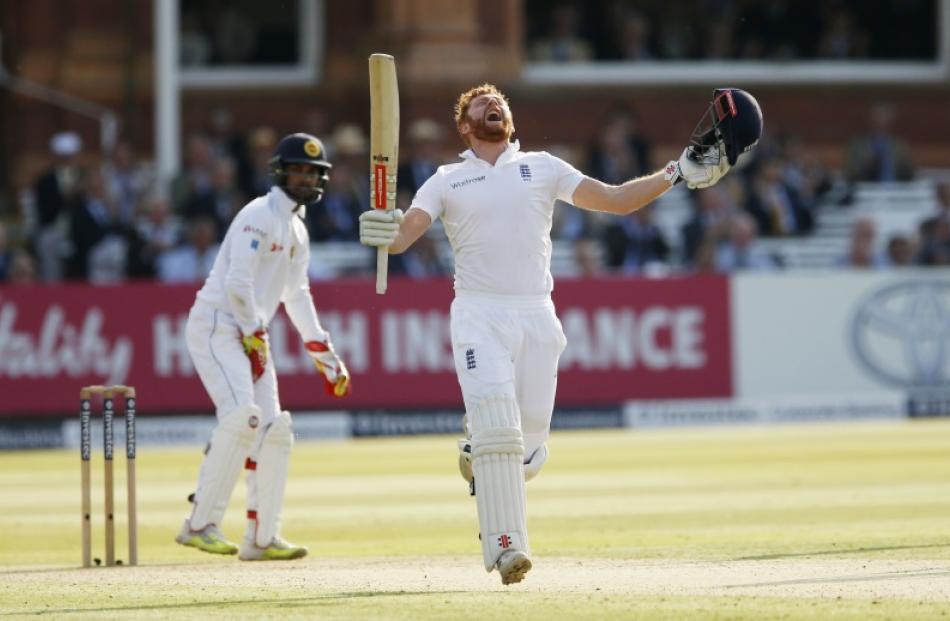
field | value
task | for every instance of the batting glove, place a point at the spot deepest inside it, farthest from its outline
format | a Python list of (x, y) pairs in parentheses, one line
[(336, 377), (701, 170), (255, 346), (379, 227)]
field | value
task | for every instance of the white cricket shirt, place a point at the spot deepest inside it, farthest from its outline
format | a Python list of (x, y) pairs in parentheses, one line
[(262, 262), (498, 218)]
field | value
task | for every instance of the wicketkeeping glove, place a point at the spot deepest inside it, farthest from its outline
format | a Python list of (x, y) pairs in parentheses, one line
[(255, 346), (336, 377), (379, 228), (698, 170)]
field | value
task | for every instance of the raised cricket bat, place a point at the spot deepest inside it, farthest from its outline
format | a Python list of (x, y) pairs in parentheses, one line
[(384, 145)]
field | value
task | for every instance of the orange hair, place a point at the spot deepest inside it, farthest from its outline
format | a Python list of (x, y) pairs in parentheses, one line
[(465, 99)]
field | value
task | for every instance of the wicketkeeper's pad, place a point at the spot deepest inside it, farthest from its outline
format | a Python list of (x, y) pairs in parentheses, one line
[(230, 445), (267, 479)]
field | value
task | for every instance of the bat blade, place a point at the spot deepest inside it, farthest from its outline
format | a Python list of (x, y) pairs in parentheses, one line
[(384, 145)]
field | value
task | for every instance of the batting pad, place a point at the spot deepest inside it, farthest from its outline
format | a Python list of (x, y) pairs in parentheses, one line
[(267, 479), (230, 445), (497, 461)]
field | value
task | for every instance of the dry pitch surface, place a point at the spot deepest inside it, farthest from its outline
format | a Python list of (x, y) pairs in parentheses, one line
[(814, 522)]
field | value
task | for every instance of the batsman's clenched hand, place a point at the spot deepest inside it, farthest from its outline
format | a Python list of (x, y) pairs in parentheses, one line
[(698, 170), (255, 346), (335, 374), (379, 227)]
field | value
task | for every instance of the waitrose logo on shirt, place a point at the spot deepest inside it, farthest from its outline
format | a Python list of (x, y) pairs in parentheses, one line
[(465, 182)]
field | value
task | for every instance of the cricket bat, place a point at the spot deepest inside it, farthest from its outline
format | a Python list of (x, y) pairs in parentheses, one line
[(384, 145)]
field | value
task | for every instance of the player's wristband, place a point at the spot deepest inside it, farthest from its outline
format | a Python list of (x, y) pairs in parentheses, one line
[(672, 172)]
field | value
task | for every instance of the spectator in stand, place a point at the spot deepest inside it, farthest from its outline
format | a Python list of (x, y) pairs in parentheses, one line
[(195, 48), (105, 249), (195, 178), (335, 218), (261, 147), (6, 255), (704, 261), (712, 210), (841, 37), (423, 260), (862, 251), (900, 251), (426, 141), (191, 262), (775, 206), (159, 229), (222, 199), (879, 155), (635, 37), (564, 43), (226, 142), (740, 251), (127, 179), (942, 194), (720, 39), (22, 269), (94, 215), (53, 192), (635, 243), (805, 176), (621, 151), (588, 257), (935, 242)]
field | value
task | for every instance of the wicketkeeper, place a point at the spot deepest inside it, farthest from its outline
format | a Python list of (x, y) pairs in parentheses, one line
[(496, 206), (262, 262)]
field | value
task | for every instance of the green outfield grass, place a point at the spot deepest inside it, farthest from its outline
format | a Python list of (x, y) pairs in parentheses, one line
[(819, 521)]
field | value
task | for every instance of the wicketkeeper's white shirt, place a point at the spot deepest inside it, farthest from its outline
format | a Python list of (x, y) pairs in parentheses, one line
[(262, 262), (498, 218)]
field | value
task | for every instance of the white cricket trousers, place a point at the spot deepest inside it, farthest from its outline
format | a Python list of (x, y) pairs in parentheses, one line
[(214, 342), (509, 345)]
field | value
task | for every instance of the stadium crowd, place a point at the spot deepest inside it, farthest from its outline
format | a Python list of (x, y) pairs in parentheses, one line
[(107, 220)]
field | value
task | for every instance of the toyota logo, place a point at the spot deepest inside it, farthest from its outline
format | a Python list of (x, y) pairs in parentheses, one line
[(900, 334)]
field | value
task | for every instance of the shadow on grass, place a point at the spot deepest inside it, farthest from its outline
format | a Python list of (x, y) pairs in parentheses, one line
[(770, 557), (280, 602), (887, 575), (53, 570)]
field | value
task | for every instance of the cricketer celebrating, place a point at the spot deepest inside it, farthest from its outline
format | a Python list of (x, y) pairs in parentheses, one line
[(496, 206), (262, 262)]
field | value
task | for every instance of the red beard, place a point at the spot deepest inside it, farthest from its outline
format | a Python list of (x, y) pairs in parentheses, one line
[(495, 133)]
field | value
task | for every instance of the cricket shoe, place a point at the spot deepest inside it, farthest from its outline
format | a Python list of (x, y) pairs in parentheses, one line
[(208, 539), (513, 565), (465, 464), (278, 550)]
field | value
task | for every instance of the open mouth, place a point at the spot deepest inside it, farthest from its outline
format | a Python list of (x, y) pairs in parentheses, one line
[(494, 115)]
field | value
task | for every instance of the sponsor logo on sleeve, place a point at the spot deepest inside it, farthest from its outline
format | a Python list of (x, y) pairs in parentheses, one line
[(525, 172), (253, 229), (254, 244)]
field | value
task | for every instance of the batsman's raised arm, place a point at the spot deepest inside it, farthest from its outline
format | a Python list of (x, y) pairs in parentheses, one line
[(595, 195)]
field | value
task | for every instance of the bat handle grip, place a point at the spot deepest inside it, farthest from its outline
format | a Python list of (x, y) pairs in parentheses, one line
[(382, 269)]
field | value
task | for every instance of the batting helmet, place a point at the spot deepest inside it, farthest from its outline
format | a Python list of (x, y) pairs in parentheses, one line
[(733, 121), (301, 149)]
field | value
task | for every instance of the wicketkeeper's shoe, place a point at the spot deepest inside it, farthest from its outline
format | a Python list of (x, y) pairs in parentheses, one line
[(278, 550), (208, 539), (465, 464), (513, 565)]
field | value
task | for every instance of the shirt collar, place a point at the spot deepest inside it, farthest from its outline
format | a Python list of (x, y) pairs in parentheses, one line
[(510, 151), (284, 204)]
